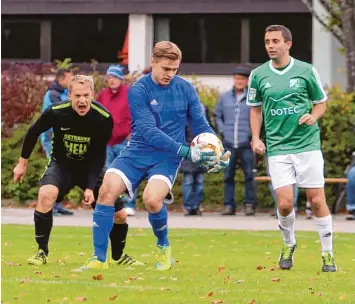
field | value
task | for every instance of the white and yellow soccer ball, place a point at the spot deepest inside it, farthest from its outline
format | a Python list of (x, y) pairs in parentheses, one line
[(209, 142)]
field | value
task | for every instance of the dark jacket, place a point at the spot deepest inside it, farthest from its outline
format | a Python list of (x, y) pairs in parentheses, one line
[(188, 166), (232, 118)]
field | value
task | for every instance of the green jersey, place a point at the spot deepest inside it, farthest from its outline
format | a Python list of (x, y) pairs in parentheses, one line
[(285, 95)]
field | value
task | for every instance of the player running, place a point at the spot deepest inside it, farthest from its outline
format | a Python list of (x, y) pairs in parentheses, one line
[(81, 129), (161, 104), (288, 95)]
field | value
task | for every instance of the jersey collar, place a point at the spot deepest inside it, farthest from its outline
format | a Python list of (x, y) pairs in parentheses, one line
[(283, 71)]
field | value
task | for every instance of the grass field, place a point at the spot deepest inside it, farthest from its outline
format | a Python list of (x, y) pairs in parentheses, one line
[(211, 267)]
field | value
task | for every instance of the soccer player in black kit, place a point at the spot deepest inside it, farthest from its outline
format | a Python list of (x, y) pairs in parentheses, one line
[(81, 128)]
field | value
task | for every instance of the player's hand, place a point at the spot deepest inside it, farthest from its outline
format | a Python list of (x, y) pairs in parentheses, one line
[(258, 146), (222, 164), (20, 170), (88, 197), (195, 154), (307, 119)]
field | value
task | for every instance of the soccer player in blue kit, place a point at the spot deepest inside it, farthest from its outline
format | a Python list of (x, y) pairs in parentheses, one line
[(161, 105)]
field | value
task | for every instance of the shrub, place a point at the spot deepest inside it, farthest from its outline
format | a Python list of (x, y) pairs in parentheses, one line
[(22, 90)]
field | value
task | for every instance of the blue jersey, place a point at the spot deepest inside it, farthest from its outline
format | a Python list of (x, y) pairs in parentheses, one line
[(159, 116)]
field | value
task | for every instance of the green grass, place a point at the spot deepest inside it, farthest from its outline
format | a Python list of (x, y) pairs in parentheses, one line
[(199, 270)]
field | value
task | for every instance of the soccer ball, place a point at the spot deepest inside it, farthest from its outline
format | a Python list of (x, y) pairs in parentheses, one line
[(211, 142)]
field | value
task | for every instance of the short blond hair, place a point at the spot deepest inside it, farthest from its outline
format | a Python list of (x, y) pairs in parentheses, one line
[(83, 79), (167, 50)]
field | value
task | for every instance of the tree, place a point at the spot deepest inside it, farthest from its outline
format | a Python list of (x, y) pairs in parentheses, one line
[(340, 21)]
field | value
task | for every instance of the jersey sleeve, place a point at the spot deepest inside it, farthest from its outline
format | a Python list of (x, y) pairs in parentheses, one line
[(42, 124), (143, 119), (98, 158), (254, 97), (196, 118), (315, 87)]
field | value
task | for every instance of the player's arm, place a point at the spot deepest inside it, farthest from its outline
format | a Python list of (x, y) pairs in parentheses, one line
[(42, 124), (98, 156), (144, 121), (254, 100), (318, 97)]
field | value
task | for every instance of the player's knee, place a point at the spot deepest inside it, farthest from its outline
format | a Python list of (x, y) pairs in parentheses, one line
[(120, 217), (285, 206), (46, 199), (316, 202), (152, 203), (106, 197)]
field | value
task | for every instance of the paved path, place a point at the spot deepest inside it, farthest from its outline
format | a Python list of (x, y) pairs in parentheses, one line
[(261, 221)]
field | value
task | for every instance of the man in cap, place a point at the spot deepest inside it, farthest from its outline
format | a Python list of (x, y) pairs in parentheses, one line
[(232, 117)]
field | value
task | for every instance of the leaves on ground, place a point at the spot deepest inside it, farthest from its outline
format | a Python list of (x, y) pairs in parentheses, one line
[(221, 268), (113, 297), (98, 277), (81, 299), (276, 280)]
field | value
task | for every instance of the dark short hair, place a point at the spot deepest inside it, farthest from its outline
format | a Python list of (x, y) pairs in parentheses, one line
[(61, 73), (286, 33)]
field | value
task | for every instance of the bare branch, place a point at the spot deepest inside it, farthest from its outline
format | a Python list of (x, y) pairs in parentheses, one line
[(336, 31)]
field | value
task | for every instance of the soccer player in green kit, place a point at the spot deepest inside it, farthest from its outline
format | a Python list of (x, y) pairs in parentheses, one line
[(287, 94)]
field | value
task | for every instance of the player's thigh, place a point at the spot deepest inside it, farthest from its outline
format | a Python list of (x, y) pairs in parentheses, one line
[(55, 183), (282, 171), (309, 169), (123, 177), (165, 173)]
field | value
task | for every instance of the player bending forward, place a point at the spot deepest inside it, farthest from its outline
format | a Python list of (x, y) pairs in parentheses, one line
[(290, 96), (161, 104), (81, 129)]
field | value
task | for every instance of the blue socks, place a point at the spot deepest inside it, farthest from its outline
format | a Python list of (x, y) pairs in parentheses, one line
[(159, 222), (102, 225)]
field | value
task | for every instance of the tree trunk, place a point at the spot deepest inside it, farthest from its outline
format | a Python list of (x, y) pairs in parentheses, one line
[(348, 22)]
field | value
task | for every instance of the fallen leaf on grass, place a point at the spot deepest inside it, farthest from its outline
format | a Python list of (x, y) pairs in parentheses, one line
[(276, 280), (272, 269), (113, 297), (99, 277), (252, 301), (240, 281), (48, 300), (313, 292), (164, 289), (81, 299), (217, 301), (259, 267), (210, 294), (221, 268), (57, 276), (227, 279), (173, 279), (7, 243), (320, 294), (24, 280), (81, 253), (12, 264), (38, 272)]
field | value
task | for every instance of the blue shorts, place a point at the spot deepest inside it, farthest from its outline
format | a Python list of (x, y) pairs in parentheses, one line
[(134, 169)]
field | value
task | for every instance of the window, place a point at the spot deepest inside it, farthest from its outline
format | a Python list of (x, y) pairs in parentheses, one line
[(212, 38), (87, 37), (20, 40), (299, 24)]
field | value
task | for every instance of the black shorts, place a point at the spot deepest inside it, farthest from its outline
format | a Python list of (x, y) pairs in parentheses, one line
[(65, 180)]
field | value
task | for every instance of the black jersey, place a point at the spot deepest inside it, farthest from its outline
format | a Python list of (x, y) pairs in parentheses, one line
[(79, 142)]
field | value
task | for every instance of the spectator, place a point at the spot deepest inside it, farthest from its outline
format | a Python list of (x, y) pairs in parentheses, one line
[(115, 99), (193, 179), (57, 92), (350, 192), (232, 117)]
